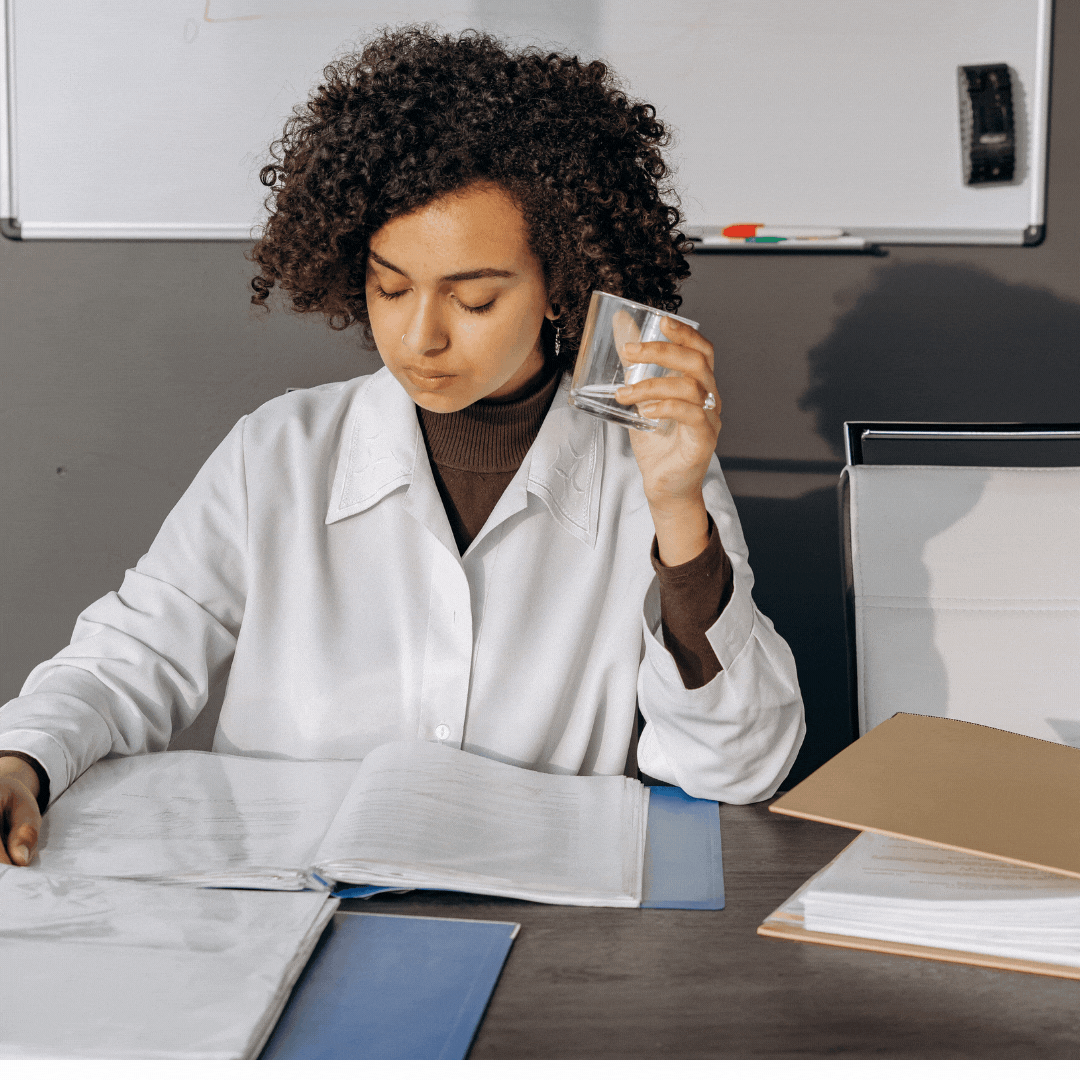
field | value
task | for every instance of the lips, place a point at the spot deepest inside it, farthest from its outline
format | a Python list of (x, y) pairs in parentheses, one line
[(427, 379)]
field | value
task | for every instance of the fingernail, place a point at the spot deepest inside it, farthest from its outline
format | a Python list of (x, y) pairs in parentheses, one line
[(621, 392), (633, 346), (21, 852)]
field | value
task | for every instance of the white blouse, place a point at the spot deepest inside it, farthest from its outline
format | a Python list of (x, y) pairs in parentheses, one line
[(313, 551)]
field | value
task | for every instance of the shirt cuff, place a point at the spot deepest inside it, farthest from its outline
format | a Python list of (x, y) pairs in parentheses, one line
[(692, 596)]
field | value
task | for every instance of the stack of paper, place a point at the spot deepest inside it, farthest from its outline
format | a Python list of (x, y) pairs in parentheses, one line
[(119, 969), (900, 890)]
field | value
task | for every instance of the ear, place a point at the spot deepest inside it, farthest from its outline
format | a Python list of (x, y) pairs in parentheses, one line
[(553, 311)]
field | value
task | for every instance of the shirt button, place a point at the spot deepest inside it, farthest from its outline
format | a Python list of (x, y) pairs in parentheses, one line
[(442, 732)]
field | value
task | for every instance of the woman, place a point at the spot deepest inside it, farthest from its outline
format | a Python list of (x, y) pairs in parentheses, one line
[(446, 549)]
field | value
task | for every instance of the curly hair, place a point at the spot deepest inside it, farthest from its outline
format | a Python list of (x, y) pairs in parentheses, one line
[(415, 116)]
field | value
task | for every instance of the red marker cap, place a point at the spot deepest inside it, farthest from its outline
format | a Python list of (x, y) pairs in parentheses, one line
[(744, 230)]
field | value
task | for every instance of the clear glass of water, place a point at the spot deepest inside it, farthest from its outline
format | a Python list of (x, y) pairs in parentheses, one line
[(601, 368)]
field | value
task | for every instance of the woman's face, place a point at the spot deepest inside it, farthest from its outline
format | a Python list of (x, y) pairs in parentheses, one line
[(456, 299)]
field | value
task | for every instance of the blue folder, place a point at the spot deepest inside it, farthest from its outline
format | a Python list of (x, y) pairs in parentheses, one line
[(684, 865), (392, 986)]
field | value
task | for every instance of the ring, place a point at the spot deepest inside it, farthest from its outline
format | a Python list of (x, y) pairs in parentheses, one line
[(710, 402)]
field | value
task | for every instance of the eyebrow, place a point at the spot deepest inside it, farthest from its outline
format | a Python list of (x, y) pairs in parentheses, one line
[(464, 275)]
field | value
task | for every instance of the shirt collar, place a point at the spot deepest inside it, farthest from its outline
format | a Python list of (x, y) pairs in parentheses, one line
[(381, 442), (566, 463)]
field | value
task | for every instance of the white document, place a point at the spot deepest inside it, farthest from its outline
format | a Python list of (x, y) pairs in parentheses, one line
[(95, 968), (191, 816), (901, 890), (429, 816), (412, 814)]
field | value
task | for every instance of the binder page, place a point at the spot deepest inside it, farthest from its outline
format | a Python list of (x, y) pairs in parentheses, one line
[(900, 890), (96, 968), (432, 816), (211, 819)]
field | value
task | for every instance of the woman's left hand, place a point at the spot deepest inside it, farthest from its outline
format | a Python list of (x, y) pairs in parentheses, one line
[(674, 459)]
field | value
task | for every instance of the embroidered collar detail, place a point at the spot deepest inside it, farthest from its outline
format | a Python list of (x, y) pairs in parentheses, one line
[(381, 441)]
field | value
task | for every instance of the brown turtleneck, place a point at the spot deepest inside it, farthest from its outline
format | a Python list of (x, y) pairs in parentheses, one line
[(474, 455), (476, 451)]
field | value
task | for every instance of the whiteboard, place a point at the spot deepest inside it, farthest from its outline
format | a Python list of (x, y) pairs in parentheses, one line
[(150, 119)]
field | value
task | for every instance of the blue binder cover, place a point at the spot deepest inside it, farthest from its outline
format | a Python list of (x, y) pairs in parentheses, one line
[(684, 865), (392, 986)]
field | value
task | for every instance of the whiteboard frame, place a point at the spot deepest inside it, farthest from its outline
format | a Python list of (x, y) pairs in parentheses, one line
[(9, 223), (13, 228)]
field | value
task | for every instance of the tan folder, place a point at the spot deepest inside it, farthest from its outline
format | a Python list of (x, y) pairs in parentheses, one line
[(954, 785)]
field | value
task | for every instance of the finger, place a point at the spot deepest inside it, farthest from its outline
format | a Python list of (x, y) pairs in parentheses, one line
[(684, 334), (673, 356), (22, 843), (624, 331), (694, 414), (682, 412), (668, 387), (24, 823)]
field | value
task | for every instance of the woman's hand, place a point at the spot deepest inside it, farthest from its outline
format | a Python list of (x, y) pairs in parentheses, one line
[(20, 819), (673, 459)]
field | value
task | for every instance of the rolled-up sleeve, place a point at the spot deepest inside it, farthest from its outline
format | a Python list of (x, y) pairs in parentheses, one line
[(735, 738), (142, 659)]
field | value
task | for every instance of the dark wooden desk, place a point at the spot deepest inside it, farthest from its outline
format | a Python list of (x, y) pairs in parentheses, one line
[(613, 983)]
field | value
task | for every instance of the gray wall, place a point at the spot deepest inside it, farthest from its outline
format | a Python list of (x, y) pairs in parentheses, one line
[(123, 364)]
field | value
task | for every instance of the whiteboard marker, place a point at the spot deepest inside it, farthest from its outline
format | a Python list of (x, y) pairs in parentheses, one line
[(769, 243), (756, 230)]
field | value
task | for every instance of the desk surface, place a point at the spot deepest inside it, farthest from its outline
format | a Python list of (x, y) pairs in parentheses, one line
[(616, 983)]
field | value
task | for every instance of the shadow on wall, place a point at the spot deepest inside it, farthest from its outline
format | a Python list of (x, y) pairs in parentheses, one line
[(935, 342), (927, 342)]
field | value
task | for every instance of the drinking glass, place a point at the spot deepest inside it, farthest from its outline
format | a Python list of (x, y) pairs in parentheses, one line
[(601, 368)]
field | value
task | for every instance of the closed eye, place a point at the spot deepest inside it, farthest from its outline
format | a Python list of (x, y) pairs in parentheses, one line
[(388, 295), (476, 310)]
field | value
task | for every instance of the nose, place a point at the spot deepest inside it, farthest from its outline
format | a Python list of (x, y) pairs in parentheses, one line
[(425, 334)]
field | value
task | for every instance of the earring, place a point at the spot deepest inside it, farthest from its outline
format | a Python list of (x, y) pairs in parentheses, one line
[(558, 334)]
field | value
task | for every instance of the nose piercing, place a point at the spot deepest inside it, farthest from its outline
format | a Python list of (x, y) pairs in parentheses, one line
[(402, 339)]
